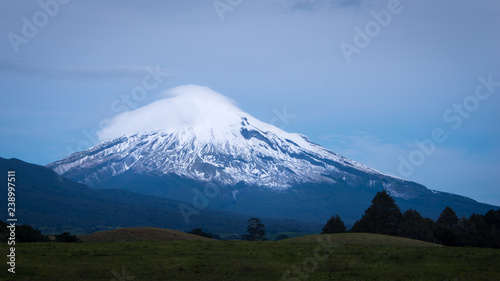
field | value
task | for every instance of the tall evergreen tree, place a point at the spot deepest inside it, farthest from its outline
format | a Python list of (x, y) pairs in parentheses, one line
[(334, 225), (492, 218), (4, 232), (448, 217), (381, 217), (256, 230), (448, 231), (484, 233), (26, 233), (413, 225)]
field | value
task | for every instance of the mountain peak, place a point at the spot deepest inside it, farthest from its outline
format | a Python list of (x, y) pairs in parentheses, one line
[(193, 113), (200, 134)]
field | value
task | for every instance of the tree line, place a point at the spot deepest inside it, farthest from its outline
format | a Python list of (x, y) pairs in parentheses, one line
[(382, 217), (385, 217), (26, 233)]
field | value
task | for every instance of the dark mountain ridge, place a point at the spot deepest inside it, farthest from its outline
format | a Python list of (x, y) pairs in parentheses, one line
[(49, 201)]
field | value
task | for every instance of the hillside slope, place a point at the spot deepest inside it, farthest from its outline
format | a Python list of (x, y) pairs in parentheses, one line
[(140, 234), (363, 239), (46, 200)]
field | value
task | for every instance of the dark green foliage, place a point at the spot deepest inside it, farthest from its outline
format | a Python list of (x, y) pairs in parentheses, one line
[(200, 232), (334, 225), (447, 231), (384, 217), (26, 233), (381, 217), (413, 225), (492, 218), (476, 232), (448, 217), (482, 232), (281, 237), (67, 237), (467, 233), (256, 230), (4, 232)]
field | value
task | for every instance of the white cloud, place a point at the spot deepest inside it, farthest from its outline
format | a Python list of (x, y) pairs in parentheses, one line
[(185, 105)]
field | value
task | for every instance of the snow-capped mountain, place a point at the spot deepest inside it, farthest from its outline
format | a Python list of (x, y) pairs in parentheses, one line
[(220, 144), (244, 150), (175, 146)]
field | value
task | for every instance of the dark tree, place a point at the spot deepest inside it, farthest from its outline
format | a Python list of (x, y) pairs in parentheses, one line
[(281, 237), (413, 225), (4, 232), (334, 225), (448, 230), (467, 233), (492, 219), (477, 231), (66, 237), (448, 217), (199, 232), (256, 230), (381, 217), (26, 233), (482, 232)]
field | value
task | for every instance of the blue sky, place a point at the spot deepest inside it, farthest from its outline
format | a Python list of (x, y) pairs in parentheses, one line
[(410, 74)]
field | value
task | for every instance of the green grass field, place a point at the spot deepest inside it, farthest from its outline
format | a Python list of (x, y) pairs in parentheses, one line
[(332, 257)]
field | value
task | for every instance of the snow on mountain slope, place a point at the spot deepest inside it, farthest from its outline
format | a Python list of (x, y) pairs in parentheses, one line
[(203, 135)]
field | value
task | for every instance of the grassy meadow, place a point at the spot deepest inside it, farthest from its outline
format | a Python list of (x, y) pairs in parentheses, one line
[(355, 256)]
